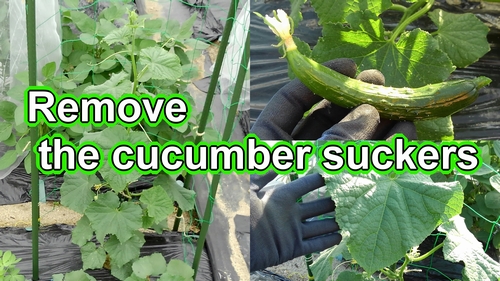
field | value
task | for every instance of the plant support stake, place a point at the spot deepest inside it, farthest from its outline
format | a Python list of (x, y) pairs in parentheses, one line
[(211, 91), (225, 137), (35, 211)]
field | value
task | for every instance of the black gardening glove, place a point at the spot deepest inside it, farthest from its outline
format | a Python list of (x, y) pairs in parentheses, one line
[(281, 119), (278, 230), (278, 227)]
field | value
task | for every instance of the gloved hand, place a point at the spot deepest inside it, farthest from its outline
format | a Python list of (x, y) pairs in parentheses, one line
[(282, 119), (278, 230)]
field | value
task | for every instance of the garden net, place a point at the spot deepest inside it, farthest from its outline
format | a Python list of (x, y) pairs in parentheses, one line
[(82, 47)]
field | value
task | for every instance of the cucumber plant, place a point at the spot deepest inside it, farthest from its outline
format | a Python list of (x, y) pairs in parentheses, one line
[(410, 59), (383, 235), (384, 219), (8, 269), (116, 52)]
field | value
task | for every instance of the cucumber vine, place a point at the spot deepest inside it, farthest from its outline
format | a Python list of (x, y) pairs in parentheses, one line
[(116, 52), (382, 235)]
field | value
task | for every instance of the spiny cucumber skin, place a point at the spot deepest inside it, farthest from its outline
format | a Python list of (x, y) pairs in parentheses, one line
[(427, 102)]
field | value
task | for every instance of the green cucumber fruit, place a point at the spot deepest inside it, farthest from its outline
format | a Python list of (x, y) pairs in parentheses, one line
[(427, 102), (424, 103)]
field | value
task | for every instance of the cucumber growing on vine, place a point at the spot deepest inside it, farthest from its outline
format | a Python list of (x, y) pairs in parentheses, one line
[(412, 104)]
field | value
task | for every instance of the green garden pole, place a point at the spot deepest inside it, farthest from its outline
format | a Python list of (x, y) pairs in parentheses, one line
[(225, 137), (217, 67), (211, 91), (35, 211)]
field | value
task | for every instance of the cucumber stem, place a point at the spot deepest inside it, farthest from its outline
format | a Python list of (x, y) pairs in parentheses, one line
[(428, 254), (397, 7), (402, 26), (411, 10)]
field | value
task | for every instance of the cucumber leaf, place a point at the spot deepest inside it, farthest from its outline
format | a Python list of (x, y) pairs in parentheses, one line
[(106, 140), (93, 257), (379, 210), (461, 245), (158, 203), (495, 182), (414, 60), (120, 35), (337, 10), (108, 216), (123, 252), (83, 22), (439, 129), (88, 39), (161, 64), (322, 265), (354, 276), (82, 232), (177, 270), (5, 130), (150, 265), (461, 36), (496, 147), (184, 197), (296, 14), (76, 191), (78, 275), (116, 86), (48, 70), (7, 111), (8, 159), (186, 29), (122, 272)]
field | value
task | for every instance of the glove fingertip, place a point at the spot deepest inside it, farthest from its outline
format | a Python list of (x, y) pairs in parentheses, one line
[(372, 76), (343, 66)]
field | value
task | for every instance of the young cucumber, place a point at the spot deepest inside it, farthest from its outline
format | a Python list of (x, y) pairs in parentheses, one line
[(427, 102)]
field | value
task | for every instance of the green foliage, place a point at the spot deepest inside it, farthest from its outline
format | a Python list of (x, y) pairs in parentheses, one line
[(435, 129), (455, 33), (115, 56), (353, 29), (354, 276), (158, 203), (113, 52), (482, 192), (78, 275), (177, 270), (413, 58), (8, 269), (461, 245), (184, 197), (322, 266), (384, 217), (378, 210)]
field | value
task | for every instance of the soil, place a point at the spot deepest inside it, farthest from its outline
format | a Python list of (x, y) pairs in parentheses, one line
[(19, 215)]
